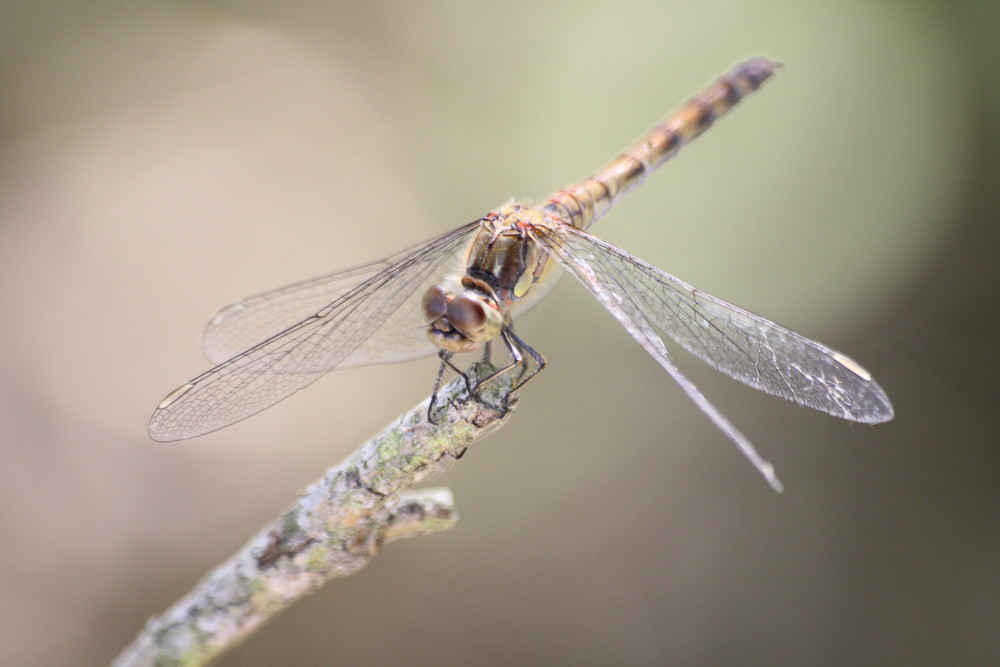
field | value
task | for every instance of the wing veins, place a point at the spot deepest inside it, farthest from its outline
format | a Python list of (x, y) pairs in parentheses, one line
[(722, 335), (254, 379)]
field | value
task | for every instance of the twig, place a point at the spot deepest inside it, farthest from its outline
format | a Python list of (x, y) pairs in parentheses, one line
[(337, 525)]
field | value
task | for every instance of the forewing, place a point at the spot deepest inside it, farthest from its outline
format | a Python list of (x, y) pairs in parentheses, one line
[(748, 348), (244, 323), (337, 334), (237, 326)]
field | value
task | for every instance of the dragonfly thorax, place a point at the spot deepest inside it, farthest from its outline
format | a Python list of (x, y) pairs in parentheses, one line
[(462, 314)]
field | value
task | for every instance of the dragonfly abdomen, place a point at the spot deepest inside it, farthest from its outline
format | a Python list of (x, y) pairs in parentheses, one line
[(584, 203)]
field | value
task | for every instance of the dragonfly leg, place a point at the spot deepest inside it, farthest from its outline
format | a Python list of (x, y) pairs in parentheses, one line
[(446, 362), (525, 357), (517, 349), (516, 346)]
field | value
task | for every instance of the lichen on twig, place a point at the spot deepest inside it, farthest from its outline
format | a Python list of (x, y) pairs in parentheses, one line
[(336, 526)]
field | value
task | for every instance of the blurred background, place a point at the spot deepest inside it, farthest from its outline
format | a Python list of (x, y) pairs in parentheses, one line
[(160, 159)]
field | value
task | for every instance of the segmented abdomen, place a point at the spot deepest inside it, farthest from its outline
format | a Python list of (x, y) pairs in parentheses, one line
[(582, 204)]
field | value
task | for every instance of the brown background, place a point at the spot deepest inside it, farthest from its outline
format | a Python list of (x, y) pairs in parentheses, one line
[(158, 160)]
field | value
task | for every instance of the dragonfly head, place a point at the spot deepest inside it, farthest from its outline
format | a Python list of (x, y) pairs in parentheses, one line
[(462, 314)]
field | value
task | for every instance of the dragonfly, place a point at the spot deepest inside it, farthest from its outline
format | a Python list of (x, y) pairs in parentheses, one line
[(460, 292)]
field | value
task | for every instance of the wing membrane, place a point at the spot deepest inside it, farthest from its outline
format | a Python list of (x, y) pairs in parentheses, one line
[(748, 348), (244, 323), (367, 323)]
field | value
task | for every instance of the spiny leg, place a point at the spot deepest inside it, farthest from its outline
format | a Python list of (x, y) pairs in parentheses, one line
[(515, 345), (517, 349), (446, 363)]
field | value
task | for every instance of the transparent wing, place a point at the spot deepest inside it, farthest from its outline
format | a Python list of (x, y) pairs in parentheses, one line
[(241, 324), (748, 348), (376, 320)]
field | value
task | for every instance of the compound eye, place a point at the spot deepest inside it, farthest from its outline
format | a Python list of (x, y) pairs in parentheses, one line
[(466, 314), (435, 303)]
